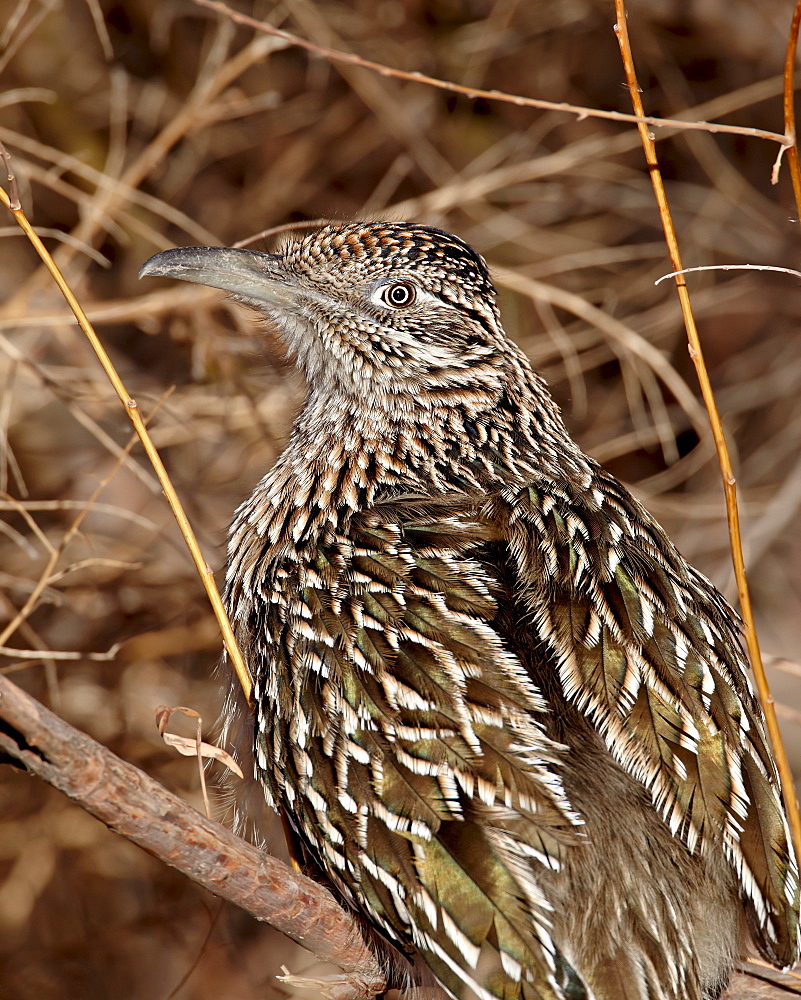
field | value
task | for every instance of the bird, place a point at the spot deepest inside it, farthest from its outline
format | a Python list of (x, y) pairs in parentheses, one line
[(504, 719)]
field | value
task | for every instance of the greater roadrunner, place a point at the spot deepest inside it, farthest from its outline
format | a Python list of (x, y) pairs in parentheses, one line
[(499, 711)]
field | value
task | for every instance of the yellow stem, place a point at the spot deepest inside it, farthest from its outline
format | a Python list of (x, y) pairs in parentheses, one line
[(131, 408), (729, 483)]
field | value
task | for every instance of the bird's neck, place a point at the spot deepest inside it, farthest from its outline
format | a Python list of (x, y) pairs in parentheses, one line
[(344, 453)]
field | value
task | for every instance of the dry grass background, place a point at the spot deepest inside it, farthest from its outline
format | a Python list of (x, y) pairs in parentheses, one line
[(146, 124)]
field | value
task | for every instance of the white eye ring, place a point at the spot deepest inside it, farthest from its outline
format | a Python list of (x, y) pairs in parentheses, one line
[(397, 294)]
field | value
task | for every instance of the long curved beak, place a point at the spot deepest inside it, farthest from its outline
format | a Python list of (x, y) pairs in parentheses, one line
[(255, 277)]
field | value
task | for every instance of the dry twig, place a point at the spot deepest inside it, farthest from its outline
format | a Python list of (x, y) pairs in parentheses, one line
[(132, 409), (335, 55), (727, 472), (135, 806)]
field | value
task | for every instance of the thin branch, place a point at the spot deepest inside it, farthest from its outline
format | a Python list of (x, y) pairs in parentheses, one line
[(789, 107), (134, 805), (730, 267), (60, 654), (336, 55), (135, 416), (727, 473)]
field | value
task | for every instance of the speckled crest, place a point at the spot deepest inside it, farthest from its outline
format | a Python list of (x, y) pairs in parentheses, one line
[(434, 255)]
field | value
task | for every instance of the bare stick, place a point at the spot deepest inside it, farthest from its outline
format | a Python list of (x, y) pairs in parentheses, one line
[(789, 106), (727, 473), (132, 409), (336, 55), (137, 807)]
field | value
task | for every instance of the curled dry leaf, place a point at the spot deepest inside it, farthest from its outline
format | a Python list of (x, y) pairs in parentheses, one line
[(189, 748), (165, 712), (196, 747)]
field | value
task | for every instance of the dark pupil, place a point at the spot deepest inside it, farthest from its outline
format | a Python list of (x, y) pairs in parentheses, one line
[(399, 295)]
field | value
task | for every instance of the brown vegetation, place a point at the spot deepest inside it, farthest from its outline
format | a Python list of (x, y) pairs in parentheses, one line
[(149, 124)]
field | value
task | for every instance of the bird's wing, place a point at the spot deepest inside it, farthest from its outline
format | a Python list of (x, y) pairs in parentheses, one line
[(419, 773), (650, 652)]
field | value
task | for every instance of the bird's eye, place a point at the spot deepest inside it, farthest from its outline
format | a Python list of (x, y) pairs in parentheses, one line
[(398, 294)]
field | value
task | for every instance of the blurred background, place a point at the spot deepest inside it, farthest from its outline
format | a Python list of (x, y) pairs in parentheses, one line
[(138, 126)]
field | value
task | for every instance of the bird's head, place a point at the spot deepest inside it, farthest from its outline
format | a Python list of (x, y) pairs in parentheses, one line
[(378, 310)]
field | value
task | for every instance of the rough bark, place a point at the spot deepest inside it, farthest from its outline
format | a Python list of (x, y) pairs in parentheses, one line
[(134, 805)]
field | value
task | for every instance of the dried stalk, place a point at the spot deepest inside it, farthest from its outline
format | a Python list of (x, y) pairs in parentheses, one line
[(727, 473), (131, 408), (134, 805), (789, 107), (336, 55)]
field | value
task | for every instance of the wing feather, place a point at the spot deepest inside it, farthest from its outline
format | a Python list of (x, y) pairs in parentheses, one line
[(649, 651), (420, 771)]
